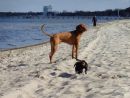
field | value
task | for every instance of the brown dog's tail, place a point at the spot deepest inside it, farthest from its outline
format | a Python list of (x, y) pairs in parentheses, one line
[(42, 26)]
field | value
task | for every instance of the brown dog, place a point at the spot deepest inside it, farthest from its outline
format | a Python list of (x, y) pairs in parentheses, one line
[(71, 38)]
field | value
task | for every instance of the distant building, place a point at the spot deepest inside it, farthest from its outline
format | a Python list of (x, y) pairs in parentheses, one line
[(46, 10)]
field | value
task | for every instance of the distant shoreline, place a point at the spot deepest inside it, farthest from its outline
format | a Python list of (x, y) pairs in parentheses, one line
[(60, 17)]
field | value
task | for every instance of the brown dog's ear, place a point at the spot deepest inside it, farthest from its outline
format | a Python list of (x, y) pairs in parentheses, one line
[(81, 28)]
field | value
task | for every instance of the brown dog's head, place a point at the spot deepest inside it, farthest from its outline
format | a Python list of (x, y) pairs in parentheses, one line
[(81, 28)]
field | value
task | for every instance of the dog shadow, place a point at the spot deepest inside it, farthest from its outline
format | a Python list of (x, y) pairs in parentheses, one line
[(66, 75), (22, 65)]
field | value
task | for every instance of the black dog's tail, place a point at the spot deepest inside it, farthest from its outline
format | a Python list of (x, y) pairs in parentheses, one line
[(78, 59)]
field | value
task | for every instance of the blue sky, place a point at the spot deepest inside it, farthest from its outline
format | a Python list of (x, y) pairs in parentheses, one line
[(60, 5)]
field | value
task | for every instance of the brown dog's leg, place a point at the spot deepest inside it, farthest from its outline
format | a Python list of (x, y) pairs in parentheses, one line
[(77, 46), (73, 51), (53, 50)]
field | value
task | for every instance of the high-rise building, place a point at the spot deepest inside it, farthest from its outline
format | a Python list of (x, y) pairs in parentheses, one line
[(47, 9)]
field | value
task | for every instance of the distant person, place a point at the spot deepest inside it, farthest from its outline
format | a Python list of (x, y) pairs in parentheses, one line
[(94, 20)]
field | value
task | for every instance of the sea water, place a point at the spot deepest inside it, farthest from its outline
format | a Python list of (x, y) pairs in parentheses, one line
[(16, 33)]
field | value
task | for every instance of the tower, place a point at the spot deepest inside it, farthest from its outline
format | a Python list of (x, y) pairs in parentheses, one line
[(47, 9)]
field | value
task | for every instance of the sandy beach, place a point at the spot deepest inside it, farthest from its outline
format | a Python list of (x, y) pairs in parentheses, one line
[(26, 72)]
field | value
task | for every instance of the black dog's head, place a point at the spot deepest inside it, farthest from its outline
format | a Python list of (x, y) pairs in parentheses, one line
[(80, 65)]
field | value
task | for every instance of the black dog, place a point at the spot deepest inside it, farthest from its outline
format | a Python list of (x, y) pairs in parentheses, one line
[(80, 65)]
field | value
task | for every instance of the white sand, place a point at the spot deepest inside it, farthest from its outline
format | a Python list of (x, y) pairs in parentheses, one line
[(26, 72)]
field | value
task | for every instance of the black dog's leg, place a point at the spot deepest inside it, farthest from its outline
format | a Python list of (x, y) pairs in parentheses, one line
[(86, 70), (86, 67), (75, 64)]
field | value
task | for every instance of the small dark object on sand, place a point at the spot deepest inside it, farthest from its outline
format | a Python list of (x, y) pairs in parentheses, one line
[(80, 65)]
